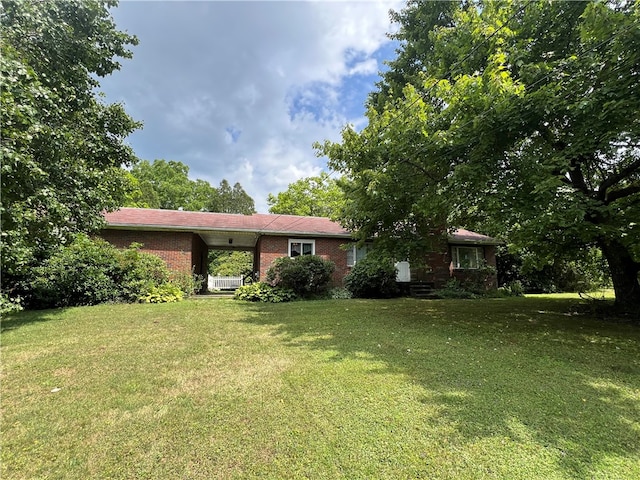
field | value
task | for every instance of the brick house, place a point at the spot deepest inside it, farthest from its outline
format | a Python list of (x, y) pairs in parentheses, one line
[(183, 239)]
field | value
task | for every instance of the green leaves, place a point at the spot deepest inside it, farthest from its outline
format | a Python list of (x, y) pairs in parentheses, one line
[(517, 119), (166, 184), (62, 149), (317, 196)]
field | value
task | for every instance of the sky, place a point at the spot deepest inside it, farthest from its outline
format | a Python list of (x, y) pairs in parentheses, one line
[(241, 90)]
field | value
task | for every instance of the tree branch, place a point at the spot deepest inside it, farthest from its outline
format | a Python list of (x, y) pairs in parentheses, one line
[(577, 177), (622, 193), (419, 167), (617, 177)]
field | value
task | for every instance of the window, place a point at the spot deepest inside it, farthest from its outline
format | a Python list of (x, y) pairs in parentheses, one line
[(301, 247), (355, 254), (467, 257)]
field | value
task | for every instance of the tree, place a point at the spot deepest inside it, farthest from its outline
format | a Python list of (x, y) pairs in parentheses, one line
[(241, 201), (519, 118), (230, 263), (62, 147), (166, 185), (234, 200), (312, 196)]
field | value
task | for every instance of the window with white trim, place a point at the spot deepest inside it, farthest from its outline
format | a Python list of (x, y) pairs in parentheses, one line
[(299, 247), (467, 257), (355, 253)]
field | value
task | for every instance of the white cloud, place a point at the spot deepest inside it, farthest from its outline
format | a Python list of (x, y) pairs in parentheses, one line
[(368, 67), (241, 90)]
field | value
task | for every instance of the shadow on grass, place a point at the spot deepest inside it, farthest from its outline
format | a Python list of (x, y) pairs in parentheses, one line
[(530, 370), (19, 319)]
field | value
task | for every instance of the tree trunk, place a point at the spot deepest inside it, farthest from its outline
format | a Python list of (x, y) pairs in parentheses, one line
[(624, 274)]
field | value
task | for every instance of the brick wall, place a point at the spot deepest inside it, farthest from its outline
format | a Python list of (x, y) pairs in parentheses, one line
[(435, 269), (491, 280), (330, 249), (271, 247), (268, 249), (175, 248)]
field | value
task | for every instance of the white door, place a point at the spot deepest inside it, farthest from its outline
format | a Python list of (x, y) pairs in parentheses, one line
[(404, 272)]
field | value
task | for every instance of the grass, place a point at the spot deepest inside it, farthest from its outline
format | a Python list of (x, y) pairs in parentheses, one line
[(501, 388)]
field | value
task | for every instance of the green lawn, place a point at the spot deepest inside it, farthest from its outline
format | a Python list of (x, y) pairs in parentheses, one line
[(396, 389)]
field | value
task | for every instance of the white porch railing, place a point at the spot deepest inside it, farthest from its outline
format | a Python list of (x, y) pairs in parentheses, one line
[(224, 283)]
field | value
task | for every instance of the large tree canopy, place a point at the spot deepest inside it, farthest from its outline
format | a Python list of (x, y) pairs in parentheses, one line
[(312, 196), (166, 184), (522, 118), (62, 147)]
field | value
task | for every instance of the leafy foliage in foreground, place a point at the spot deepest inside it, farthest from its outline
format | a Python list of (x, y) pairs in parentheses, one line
[(62, 147), (92, 271), (10, 305)]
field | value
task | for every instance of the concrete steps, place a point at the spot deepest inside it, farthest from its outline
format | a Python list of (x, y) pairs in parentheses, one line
[(421, 289)]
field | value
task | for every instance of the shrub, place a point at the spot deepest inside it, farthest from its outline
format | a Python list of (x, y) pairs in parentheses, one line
[(477, 280), (9, 304), (86, 272), (166, 293), (340, 293), (263, 292), (372, 278), (306, 275), (454, 289), (188, 283), (140, 272), (91, 271), (512, 289), (581, 271)]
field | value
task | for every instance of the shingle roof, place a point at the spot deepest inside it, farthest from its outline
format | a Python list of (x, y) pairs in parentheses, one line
[(461, 235), (154, 219), (147, 218)]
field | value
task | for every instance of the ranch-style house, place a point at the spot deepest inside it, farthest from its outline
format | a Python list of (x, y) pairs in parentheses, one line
[(182, 239)]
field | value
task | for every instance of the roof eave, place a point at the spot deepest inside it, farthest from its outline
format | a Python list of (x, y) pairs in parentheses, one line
[(198, 229), (469, 241)]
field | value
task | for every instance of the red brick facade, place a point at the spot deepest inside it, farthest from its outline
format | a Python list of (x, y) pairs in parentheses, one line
[(436, 269), (183, 251), (270, 247), (490, 279), (187, 252)]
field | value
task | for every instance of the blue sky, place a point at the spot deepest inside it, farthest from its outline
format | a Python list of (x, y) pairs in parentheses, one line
[(241, 90)]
